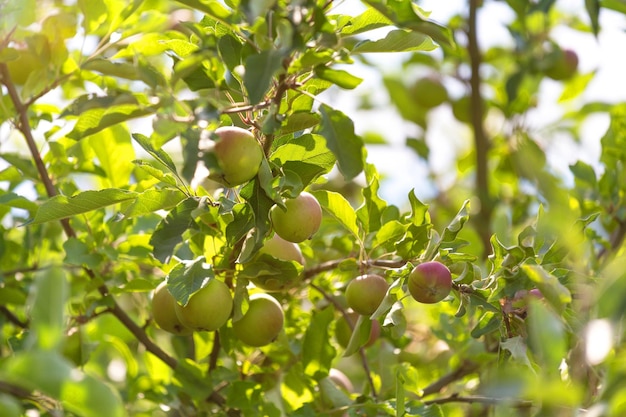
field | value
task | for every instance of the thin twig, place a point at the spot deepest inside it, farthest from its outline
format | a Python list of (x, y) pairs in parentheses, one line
[(513, 402), (481, 142), (466, 368), (13, 318)]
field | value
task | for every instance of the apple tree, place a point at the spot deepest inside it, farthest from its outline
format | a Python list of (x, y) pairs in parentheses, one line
[(192, 225)]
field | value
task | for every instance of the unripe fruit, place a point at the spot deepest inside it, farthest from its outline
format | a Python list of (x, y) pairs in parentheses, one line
[(461, 109), (262, 323), (281, 249), (208, 308), (430, 282), (238, 155), (429, 92), (300, 220), (563, 66), (343, 331), (341, 380), (365, 293), (164, 311)]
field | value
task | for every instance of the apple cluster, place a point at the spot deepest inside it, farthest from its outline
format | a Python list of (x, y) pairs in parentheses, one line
[(234, 158)]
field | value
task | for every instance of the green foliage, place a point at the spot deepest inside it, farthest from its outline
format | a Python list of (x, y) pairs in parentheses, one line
[(108, 111)]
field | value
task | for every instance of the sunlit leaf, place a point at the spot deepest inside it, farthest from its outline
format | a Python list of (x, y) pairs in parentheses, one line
[(337, 206), (61, 207), (349, 149)]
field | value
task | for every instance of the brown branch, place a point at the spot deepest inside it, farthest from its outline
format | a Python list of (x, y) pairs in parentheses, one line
[(481, 142), (616, 239), (344, 313), (513, 402), (24, 126), (215, 351), (466, 368), (13, 318), (330, 265)]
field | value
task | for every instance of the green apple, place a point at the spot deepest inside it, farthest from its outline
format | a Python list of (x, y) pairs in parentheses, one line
[(365, 293), (564, 63), (262, 323), (284, 250), (461, 109), (208, 309), (430, 282), (300, 219), (164, 311), (343, 330), (238, 154), (429, 92)]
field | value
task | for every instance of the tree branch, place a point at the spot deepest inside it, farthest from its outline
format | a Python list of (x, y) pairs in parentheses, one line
[(13, 318), (466, 368), (513, 402), (481, 142)]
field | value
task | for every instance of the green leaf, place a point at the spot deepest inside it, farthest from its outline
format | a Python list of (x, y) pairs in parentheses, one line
[(260, 69), (396, 41), (576, 86), (370, 212), (152, 200), (337, 206), (158, 154), (169, 232), (546, 335), (188, 277), (156, 170), (317, 352), (593, 9), (50, 373), (78, 253), (213, 8), (115, 153), (10, 199), (360, 335), (370, 19), (94, 120), (452, 230), (338, 130), (403, 14), (488, 323), (519, 351), (308, 156), (61, 207), (340, 78), (47, 307)]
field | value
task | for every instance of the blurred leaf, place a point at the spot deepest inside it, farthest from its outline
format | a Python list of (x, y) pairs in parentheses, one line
[(115, 153), (518, 349), (78, 253), (403, 14), (546, 335), (556, 293), (337, 206), (340, 78), (317, 352), (360, 335), (48, 372), (338, 130), (396, 41), (61, 207), (47, 307), (576, 86), (211, 7), (593, 9), (10, 199), (169, 232)]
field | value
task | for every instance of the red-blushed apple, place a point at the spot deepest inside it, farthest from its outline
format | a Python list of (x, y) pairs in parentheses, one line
[(564, 65), (208, 308), (341, 380), (262, 323), (164, 311), (430, 282), (429, 92), (284, 250), (238, 153), (300, 219), (343, 330), (365, 293)]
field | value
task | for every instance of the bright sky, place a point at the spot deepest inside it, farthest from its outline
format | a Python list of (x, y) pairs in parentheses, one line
[(404, 170)]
